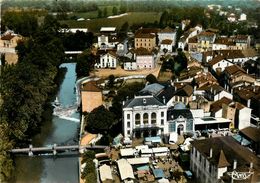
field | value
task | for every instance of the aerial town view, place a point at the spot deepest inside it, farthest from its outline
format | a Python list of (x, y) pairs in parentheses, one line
[(129, 91)]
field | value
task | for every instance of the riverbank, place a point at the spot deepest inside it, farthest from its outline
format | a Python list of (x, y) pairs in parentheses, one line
[(62, 167)]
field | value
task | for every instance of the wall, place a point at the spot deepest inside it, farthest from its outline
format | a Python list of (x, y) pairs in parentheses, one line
[(145, 61)]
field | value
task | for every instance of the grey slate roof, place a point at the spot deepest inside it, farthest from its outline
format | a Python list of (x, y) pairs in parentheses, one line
[(143, 101), (152, 89), (173, 113)]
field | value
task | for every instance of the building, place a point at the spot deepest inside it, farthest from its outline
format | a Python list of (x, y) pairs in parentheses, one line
[(144, 59), (183, 94), (147, 41), (144, 116), (213, 160), (219, 63), (8, 42), (231, 17), (107, 59), (167, 45), (91, 96), (107, 38), (253, 135), (205, 41), (235, 76), (179, 119), (167, 34)]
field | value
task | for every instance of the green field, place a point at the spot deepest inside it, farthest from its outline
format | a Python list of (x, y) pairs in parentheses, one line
[(95, 24)]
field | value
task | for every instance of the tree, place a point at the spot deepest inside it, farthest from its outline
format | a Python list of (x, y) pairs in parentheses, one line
[(105, 12), (100, 120), (114, 11), (151, 79), (99, 13), (85, 63), (111, 80)]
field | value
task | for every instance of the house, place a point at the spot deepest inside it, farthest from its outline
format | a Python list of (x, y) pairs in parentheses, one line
[(224, 43), (231, 17), (218, 106), (235, 76), (205, 78), (193, 44), (253, 135), (129, 64), (107, 38), (219, 63), (217, 159), (121, 48), (183, 94), (188, 34), (215, 92), (242, 17), (239, 114), (205, 41), (242, 41), (8, 42), (144, 58), (167, 34), (107, 60), (91, 96), (147, 41), (167, 45)]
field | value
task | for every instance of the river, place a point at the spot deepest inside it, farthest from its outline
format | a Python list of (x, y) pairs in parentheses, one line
[(63, 168)]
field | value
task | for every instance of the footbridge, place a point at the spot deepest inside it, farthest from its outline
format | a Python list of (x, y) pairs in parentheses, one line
[(54, 149)]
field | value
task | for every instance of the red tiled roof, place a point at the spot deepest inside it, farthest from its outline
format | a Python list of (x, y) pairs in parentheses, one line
[(147, 36), (234, 69), (216, 106), (7, 37), (90, 86), (166, 41)]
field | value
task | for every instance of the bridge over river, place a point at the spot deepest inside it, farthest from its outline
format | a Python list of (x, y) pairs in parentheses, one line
[(54, 149)]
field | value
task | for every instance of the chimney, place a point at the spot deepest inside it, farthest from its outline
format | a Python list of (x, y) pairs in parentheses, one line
[(172, 83), (232, 90), (175, 88), (164, 99), (126, 98), (210, 152), (235, 164), (248, 103), (211, 90), (195, 88), (251, 165), (123, 102), (144, 101)]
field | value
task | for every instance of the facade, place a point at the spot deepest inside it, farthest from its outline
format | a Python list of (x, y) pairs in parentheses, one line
[(91, 96), (205, 41), (179, 119), (219, 63), (130, 65), (107, 38), (107, 60), (213, 160), (144, 116), (144, 59), (167, 34), (147, 41), (10, 40), (166, 44)]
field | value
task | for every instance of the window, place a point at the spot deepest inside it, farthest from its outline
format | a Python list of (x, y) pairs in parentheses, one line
[(145, 118), (162, 114), (128, 116), (162, 121), (137, 119), (128, 132), (153, 118), (128, 124)]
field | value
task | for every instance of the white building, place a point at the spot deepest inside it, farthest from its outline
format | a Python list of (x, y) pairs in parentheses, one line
[(166, 44), (167, 34), (144, 59), (219, 63), (107, 60), (130, 65), (242, 17), (107, 38), (144, 116)]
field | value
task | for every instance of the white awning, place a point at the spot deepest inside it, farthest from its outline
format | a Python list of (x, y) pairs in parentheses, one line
[(125, 169), (127, 152), (137, 161), (105, 173), (108, 29)]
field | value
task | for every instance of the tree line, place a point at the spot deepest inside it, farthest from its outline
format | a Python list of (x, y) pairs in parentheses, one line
[(26, 89)]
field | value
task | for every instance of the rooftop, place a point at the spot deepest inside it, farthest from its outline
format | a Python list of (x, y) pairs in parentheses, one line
[(231, 149), (252, 133), (216, 106), (139, 101), (90, 86)]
